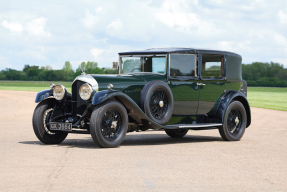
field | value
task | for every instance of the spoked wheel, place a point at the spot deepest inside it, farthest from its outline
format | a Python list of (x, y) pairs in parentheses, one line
[(41, 121), (234, 123), (109, 124), (158, 104), (157, 101), (176, 133)]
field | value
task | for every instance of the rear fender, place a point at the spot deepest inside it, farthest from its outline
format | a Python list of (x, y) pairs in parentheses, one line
[(227, 98)]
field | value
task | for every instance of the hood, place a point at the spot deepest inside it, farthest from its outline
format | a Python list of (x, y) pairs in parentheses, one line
[(123, 82), (131, 85)]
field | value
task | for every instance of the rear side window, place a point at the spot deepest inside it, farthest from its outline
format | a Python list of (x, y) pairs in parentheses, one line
[(182, 65), (212, 66)]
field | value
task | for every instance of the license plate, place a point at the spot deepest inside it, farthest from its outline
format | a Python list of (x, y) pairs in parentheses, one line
[(61, 126)]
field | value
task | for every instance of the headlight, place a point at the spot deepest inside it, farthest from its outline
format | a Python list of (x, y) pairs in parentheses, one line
[(85, 91), (59, 92)]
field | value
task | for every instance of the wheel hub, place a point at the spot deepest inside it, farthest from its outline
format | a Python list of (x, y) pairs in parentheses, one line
[(114, 124), (161, 103), (236, 121)]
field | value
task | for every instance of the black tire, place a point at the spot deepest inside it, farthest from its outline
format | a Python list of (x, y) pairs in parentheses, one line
[(234, 124), (152, 94), (176, 133), (40, 118), (101, 124)]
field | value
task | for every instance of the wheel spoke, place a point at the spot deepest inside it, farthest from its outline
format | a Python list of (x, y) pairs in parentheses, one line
[(108, 132), (157, 111), (231, 123)]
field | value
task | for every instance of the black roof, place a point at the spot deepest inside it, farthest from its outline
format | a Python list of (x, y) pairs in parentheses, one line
[(178, 50)]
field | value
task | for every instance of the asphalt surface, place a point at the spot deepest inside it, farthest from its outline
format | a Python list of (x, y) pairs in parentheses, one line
[(145, 161)]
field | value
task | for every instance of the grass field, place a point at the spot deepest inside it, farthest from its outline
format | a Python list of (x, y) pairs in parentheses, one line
[(262, 97), (268, 97), (31, 85)]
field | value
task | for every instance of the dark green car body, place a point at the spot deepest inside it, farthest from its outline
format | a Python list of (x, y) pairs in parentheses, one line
[(200, 95)]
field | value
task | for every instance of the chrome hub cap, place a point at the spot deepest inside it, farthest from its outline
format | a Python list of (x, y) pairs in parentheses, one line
[(114, 124), (161, 103), (236, 121)]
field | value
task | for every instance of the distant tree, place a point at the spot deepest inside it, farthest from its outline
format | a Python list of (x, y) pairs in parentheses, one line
[(26, 67), (67, 68), (47, 68), (32, 73), (282, 74), (91, 65), (82, 66)]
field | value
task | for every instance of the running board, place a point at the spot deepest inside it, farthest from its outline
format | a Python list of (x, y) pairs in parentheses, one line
[(193, 126)]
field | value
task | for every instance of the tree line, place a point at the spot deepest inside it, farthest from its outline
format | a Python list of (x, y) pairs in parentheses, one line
[(36, 73), (265, 74), (256, 74)]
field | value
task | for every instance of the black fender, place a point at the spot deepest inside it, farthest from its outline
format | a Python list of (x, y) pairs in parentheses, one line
[(133, 109), (227, 98), (48, 93), (43, 95)]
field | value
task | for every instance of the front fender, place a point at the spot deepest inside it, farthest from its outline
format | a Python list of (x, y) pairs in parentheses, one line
[(43, 95), (226, 100), (133, 109)]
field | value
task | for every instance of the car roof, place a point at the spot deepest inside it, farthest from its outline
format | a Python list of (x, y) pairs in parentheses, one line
[(178, 50)]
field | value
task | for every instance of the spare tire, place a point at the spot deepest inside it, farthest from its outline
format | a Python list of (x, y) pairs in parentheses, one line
[(156, 101)]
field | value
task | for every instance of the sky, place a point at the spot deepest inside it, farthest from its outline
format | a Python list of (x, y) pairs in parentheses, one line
[(51, 32)]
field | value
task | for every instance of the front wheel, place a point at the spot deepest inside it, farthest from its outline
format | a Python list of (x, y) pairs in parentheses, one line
[(234, 123), (41, 120), (109, 124)]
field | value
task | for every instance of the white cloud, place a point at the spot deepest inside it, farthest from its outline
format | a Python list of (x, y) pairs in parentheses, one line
[(96, 52), (114, 27), (98, 30), (280, 39), (13, 27), (282, 17), (99, 9), (36, 27), (90, 20), (175, 14)]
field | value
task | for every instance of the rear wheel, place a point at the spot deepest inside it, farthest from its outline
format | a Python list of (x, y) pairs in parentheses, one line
[(234, 123), (41, 121), (176, 133), (109, 124)]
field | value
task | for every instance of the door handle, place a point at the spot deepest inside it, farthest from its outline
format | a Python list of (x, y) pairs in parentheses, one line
[(200, 84)]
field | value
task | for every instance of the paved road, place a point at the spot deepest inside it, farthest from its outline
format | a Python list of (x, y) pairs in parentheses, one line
[(146, 161)]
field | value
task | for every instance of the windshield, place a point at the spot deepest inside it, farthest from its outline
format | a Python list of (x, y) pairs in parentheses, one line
[(138, 64)]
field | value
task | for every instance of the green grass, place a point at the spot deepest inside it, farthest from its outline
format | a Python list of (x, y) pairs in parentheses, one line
[(31, 85), (268, 97), (262, 97)]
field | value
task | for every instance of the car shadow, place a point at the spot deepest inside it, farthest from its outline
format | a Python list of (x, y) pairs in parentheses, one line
[(133, 140)]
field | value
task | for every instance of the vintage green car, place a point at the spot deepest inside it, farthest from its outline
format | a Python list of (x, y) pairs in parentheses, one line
[(170, 89)]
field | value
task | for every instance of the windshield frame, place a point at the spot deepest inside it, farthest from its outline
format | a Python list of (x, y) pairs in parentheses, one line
[(142, 55)]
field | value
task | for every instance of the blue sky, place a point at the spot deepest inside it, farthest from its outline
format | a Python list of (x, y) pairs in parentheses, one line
[(51, 32)]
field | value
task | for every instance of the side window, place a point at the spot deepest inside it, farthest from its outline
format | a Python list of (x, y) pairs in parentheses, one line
[(212, 66), (158, 64), (182, 65)]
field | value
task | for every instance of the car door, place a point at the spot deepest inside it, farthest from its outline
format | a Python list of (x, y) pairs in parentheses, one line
[(183, 83), (212, 81)]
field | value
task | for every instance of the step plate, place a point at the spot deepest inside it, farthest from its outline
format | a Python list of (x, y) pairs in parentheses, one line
[(190, 126)]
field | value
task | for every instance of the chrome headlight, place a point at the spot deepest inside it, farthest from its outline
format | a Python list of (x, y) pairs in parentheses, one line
[(59, 91), (85, 91)]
